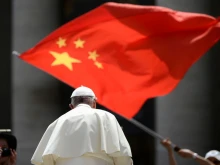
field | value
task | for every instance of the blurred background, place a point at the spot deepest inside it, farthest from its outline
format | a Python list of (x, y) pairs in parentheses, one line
[(32, 99)]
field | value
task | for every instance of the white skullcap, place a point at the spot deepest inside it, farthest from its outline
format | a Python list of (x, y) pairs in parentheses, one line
[(83, 91), (213, 154)]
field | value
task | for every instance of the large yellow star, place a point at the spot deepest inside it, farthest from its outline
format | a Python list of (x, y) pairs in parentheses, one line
[(93, 55), (98, 64), (61, 42), (79, 43), (63, 59)]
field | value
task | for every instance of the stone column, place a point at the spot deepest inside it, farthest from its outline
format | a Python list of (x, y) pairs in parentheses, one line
[(5, 67), (35, 93), (187, 115)]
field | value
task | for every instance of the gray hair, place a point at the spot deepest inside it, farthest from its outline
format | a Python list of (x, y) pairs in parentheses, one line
[(82, 100)]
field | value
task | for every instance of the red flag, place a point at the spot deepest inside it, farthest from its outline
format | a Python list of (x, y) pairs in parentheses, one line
[(126, 53)]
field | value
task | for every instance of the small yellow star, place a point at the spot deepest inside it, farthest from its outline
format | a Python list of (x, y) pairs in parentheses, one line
[(61, 42), (93, 55), (98, 64), (79, 43), (63, 59)]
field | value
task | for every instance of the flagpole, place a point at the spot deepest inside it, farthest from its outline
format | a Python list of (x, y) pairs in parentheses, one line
[(149, 131), (146, 129), (15, 53)]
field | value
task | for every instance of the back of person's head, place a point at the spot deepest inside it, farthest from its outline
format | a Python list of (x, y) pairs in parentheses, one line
[(213, 156), (83, 95), (9, 138)]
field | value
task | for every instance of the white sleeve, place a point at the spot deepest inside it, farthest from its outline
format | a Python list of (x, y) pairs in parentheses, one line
[(123, 157)]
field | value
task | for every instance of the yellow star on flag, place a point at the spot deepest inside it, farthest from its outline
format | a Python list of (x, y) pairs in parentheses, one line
[(93, 55), (79, 43), (63, 59), (61, 42), (98, 64)]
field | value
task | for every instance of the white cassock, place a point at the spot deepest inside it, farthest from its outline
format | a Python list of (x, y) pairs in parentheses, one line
[(83, 136)]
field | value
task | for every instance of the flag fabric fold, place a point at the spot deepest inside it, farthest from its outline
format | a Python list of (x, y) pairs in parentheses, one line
[(126, 53)]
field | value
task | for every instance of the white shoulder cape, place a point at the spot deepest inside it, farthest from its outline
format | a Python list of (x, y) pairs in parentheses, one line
[(79, 131)]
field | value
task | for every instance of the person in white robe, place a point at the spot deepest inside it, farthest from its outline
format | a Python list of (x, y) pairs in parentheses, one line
[(83, 136)]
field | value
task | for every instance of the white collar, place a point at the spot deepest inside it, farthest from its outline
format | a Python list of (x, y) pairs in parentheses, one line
[(83, 105)]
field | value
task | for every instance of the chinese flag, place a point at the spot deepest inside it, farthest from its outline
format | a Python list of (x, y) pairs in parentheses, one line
[(125, 53)]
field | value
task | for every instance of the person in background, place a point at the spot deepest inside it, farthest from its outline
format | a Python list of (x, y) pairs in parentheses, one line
[(211, 158), (8, 145), (83, 136)]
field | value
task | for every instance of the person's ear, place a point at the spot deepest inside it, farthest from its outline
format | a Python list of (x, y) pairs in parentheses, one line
[(94, 104), (71, 106)]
